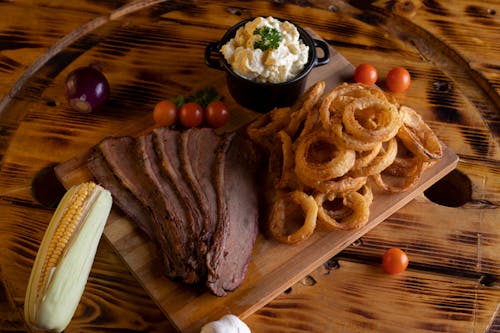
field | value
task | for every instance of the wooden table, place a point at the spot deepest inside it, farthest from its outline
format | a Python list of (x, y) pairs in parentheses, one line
[(451, 235)]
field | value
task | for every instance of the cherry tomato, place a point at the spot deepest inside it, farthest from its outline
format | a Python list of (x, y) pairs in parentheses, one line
[(165, 113), (365, 73), (216, 114), (191, 114), (394, 261), (398, 79)]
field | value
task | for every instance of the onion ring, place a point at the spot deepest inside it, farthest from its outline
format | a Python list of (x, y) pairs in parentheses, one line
[(346, 140), (367, 193), (380, 162), (417, 136), (383, 118), (358, 90), (269, 123), (363, 158), (392, 99), (304, 106), (323, 149), (402, 166), (281, 161), (332, 205), (277, 217), (338, 98), (339, 163), (360, 212), (336, 209), (311, 124), (339, 185), (405, 161), (402, 182)]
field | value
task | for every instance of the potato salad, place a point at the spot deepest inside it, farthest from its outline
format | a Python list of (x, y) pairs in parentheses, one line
[(266, 50)]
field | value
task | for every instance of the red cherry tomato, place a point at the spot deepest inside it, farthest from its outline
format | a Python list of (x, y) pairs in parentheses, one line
[(191, 115), (216, 114), (165, 113), (365, 73), (394, 261), (398, 79)]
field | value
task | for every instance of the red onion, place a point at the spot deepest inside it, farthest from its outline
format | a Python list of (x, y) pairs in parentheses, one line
[(86, 89)]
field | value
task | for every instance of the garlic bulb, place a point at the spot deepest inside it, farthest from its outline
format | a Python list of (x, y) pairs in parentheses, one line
[(227, 324)]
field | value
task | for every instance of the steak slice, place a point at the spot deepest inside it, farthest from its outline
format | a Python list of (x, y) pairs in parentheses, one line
[(177, 210), (198, 148), (151, 165), (123, 198), (121, 155), (238, 213), (167, 145)]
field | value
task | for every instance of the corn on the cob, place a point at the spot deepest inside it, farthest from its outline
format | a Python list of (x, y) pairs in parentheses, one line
[(65, 257)]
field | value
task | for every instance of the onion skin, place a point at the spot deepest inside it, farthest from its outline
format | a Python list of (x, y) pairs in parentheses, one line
[(86, 89)]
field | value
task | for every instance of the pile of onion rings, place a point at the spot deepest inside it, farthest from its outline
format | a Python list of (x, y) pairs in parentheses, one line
[(326, 150)]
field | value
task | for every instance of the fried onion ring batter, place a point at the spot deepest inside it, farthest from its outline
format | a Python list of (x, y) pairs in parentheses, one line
[(332, 163), (356, 202), (381, 120), (418, 136), (278, 217)]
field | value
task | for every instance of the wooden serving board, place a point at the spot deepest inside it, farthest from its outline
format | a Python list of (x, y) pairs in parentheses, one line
[(273, 268)]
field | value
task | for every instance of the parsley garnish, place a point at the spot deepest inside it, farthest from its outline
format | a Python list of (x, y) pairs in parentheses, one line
[(203, 97), (270, 38)]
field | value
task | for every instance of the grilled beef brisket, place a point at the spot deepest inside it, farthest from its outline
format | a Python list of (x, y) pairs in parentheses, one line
[(198, 163), (173, 202), (237, 225), (121, 155), (193, 193), (153, 169), (167, 143), (123, 198)]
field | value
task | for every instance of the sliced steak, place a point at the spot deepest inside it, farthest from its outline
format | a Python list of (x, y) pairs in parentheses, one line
[(121, 155), (238, 212), (167, 145), (151, 165), (194, 193), (198, 148), (123, 198), (177, 210)]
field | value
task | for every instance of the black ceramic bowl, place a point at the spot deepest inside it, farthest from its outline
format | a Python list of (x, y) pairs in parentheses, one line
[(263, 97)]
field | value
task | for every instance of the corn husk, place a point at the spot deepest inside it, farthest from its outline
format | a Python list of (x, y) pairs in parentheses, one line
[(65, 257)]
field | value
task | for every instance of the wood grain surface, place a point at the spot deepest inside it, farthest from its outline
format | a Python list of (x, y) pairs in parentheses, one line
[(451, 51)]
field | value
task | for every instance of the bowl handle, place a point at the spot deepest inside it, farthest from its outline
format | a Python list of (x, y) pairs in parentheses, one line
[(211, 48), (326, 52)]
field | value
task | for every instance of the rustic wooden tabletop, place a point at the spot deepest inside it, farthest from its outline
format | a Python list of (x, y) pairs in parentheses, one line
[(152, 50)]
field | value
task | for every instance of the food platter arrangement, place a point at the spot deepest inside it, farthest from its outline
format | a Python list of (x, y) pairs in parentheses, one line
[(215, 222)]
